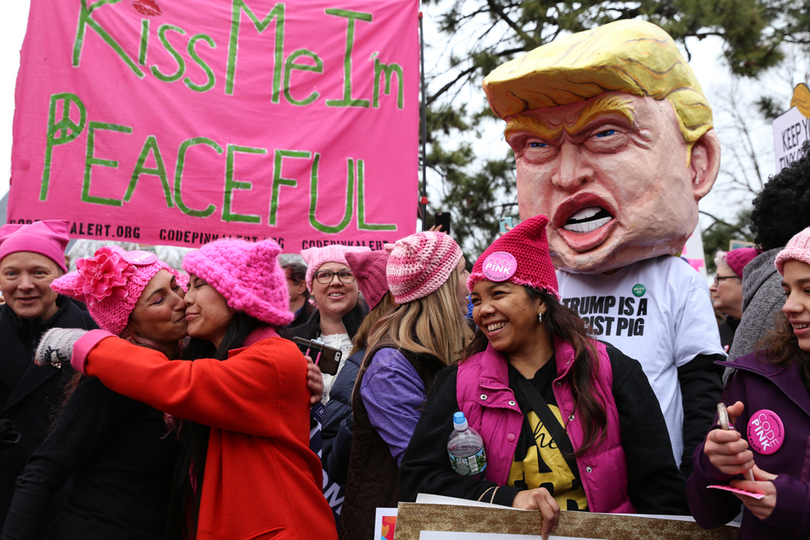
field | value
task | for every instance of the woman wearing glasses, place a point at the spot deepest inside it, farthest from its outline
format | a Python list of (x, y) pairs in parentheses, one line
[(339, 314), (727, 291)]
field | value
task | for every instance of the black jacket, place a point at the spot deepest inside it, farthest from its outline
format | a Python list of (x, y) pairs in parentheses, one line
[(352, 321), (727, 330), (303, 314), (120, 460), (30, 394), (701, 389), (338, 425)]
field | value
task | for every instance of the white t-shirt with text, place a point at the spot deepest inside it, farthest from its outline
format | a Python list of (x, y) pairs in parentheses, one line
[(657, 311)]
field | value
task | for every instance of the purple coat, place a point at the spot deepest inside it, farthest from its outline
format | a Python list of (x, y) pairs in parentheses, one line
[(762, 385), (484, 396)]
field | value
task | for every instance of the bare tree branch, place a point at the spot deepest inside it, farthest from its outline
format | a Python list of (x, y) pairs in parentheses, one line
[(717, 219), (449, 85)]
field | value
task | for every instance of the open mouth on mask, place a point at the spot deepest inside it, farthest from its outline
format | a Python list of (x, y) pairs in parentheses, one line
[(587, 220)]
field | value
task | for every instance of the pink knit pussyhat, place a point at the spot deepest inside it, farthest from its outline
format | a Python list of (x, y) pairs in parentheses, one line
[(110, 283), (48, 238), (520, 256), (248, 275), (318, 256), (798, 249), (419, 264), (736, 259), (368, 268)]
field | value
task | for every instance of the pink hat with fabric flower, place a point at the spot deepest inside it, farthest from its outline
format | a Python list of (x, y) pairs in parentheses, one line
[(110, 283), (520, 256), (420, 264), (318, 256), (248, 275), (48, 238), (797, 249), (368, 268)]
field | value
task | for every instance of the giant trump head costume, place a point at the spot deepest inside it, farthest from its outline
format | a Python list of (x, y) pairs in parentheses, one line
[(613, 142)]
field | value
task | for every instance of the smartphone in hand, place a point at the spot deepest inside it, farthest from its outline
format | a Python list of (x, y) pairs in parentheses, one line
[(504, 225), (327, 358), (443, 219), (725, 423)]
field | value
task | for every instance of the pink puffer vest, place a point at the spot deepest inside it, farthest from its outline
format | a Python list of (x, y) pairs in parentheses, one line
[(489, 404)]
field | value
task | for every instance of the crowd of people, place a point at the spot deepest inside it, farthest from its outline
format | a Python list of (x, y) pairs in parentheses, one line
[(172, 404), (137, 401)]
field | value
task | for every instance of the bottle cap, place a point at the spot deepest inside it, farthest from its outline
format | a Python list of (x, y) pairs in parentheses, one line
[(459, 422)]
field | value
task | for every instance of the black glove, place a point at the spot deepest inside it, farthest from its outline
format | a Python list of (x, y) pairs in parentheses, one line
[(8, 434)]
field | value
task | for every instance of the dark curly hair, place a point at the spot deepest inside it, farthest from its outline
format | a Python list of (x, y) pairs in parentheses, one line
[(781, 208)]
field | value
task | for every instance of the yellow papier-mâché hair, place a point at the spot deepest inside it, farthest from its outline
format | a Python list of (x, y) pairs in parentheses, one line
[(630, 56), (801, 99)]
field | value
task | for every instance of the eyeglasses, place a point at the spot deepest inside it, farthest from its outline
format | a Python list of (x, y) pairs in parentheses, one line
[(718, 279), (326, 277)]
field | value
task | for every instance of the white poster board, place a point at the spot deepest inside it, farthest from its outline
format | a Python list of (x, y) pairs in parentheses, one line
[(693, 252), (789, 133)]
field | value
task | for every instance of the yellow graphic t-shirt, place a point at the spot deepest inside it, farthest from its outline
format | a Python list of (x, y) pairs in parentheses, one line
[(545, 466)]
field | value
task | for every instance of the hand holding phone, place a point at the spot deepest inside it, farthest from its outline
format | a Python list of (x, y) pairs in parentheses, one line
[(505, 224), (725, 423), (442, 219), (716, 452), (325, 357), (722, 416)]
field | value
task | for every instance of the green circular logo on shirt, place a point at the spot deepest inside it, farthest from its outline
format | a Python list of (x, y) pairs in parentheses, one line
[(639, 289)]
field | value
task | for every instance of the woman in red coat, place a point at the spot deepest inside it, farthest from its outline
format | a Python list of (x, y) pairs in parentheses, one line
[(246, 403)]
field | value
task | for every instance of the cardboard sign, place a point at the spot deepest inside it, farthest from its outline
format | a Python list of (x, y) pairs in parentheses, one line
[(177, 123), (414, 519)]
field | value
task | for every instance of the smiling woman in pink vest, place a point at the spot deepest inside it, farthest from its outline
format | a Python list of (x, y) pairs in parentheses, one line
[(567, 422)]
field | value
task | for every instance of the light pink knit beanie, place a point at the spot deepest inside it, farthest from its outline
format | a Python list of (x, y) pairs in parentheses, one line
[(419, 264), (797, 249), (110, 283), (318, 256), (248, 275)]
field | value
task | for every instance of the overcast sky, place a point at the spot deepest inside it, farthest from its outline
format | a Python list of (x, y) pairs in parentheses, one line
[(12, 31)]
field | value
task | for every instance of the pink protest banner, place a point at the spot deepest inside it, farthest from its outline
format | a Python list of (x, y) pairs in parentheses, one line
[(176, 123)]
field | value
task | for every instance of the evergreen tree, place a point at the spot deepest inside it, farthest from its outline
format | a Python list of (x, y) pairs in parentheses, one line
[(481, 35)]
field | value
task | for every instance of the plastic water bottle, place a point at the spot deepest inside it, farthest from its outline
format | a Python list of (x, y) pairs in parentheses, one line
[(466, 449)]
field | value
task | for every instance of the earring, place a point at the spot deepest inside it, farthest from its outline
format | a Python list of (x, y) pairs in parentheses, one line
[(540, 317)]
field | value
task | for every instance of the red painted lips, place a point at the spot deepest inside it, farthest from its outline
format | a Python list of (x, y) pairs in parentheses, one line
[(150, 8)]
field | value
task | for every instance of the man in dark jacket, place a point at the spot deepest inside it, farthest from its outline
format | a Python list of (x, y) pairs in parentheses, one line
[(31, 257)]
